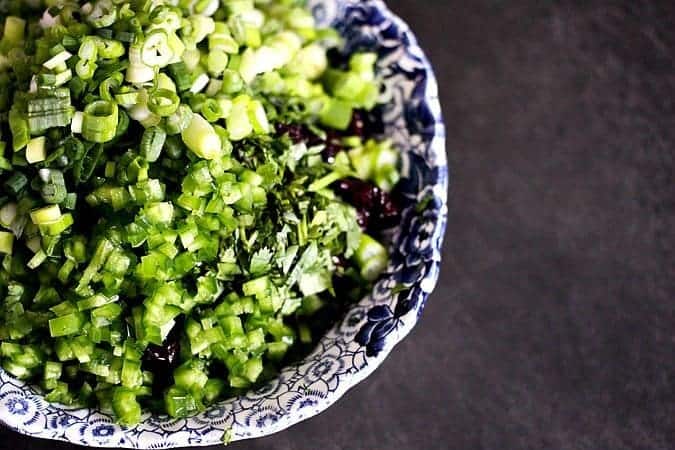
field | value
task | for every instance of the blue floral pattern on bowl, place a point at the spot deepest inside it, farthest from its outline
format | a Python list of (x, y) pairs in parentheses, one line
[(354, 348)]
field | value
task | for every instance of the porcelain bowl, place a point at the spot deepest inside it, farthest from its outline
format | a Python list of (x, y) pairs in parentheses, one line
[(361, 341)]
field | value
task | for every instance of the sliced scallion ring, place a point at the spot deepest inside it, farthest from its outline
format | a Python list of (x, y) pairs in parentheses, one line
[(100, 121), (156, 51), (103, 14), (163, 102)]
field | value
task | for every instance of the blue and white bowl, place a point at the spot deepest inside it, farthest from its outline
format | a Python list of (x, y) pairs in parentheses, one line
[(354, 348)]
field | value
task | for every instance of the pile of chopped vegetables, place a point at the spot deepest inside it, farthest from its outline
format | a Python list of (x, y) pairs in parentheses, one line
[(189, 194)]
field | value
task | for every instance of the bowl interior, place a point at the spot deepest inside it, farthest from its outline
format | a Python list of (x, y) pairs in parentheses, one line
[(355, 346)]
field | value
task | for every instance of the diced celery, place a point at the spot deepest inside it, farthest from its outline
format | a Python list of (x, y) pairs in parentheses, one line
[(83, 348), (66, 325), (179, 403), (126, 406), (256, 287), (336, 114), (131, 374), (213, 390), (159, 213)]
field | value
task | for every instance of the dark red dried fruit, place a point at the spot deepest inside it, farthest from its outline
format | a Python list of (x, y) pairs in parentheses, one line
[(376, 209), (330, 152), (389, 212), (357, 127), (333, 143), (360, 194), (166, 354), (363, 218), (300, 133), (297, 133), (372, 122), (164, 357), (161, 360), (340, 261)]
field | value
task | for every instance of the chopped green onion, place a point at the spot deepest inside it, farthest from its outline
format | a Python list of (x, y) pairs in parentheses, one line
[(7, 214), (238, 122), (372, 257), (179, 121), (211, 110), (54, 189), (138, 72), (258, 117), (110, 49), (76, 124), (103, 14), (51, 111), (163, 102), (46, 215), (100, 121), (181, 76), (19, 128), (200, 83), (85, 69), (14, 31), (57, 60), (202, 139), (34, 244), (232, 82), (152, 143), (16, 183), (112, 82), (89, 48), (37, 259), (127, 98), (36, 150), (156, 51), (6, 242)]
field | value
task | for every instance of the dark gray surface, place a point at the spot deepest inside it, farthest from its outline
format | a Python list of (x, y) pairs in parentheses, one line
[(552, 326)]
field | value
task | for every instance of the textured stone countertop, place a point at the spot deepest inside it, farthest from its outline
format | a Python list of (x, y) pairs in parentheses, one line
[(553, 323)]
